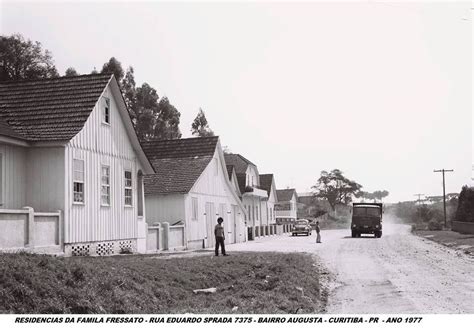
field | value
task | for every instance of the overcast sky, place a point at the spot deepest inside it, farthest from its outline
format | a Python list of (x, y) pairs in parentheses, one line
[(381, 91)]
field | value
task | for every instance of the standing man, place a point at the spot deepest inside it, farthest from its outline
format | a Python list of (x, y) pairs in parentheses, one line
[(318, 236), (219, 233)]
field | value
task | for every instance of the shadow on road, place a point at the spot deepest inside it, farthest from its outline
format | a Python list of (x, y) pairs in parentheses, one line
[(361, 237)]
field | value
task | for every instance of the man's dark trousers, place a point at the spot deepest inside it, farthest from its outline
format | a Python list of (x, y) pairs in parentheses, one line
[(220, 241)]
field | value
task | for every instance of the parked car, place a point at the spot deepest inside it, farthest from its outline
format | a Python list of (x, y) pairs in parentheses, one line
[(301, 227)]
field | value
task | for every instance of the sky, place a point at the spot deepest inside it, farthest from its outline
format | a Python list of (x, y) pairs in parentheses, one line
[(379, 90)]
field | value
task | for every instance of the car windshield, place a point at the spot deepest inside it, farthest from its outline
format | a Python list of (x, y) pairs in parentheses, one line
[(366, 211), (301, 222)]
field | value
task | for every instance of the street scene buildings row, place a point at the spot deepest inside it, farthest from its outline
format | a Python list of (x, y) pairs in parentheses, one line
[(75, 179)]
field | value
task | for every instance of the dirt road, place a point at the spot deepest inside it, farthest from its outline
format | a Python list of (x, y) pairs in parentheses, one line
[(398, 273)]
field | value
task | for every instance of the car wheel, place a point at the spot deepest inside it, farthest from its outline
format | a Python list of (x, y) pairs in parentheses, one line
[(354, 234)]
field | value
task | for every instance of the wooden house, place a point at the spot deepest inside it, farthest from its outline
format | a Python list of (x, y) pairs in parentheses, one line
[(286, 208), (253, 196), (191, 185), (71, 167)]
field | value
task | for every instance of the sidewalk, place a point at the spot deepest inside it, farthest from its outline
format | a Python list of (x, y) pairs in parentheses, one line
[(461, 242)]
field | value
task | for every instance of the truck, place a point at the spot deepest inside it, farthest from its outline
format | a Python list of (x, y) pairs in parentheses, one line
[(366, 219)]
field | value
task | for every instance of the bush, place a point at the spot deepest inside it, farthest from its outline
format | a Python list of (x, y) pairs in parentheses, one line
[(434, 225), (465, 210)]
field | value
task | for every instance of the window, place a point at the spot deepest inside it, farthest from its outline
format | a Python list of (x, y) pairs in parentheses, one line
[(216, 166), (78, 181), (256, 211), (194, 209), (128, 188), (1, 179), (106, 111), (105, 186)]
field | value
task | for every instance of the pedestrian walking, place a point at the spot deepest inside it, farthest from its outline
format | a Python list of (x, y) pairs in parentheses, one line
[(220, 237), (318, 230)]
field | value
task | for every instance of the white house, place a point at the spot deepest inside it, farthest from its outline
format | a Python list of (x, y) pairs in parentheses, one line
[(267, 182), (253, 196), (191, 185), (286, 208), (71, 167)]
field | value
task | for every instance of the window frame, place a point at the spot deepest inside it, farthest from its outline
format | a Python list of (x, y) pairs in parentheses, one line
[(194, 209), (125, 188), (106, 111), (74, 181), (105, 166)]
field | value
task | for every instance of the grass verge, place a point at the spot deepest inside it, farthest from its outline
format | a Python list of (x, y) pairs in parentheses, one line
[(245, 282), (452, 239)]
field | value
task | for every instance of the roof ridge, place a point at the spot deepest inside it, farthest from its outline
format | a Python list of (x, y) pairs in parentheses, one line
[(56, 78)]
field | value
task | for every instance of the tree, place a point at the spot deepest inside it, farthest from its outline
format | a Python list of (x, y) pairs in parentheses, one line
[(200, 127), (129, 92), (24, 59), (167, 122), (71, 72), (335, 188), (380, 194), (145, 109), (113, 66), (154, 118)]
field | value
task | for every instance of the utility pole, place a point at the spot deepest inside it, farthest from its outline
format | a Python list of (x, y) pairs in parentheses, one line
[(444, 193), (419, 201)]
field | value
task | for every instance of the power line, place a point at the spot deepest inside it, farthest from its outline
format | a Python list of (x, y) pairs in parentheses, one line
[(419, 208), (444, 193)]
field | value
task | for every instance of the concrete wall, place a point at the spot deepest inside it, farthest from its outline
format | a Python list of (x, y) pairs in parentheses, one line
[(163, 237), (26, 229), (463, 227)]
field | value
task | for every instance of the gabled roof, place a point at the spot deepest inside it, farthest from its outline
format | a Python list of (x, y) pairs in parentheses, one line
[(239, 162), (178, 163), (266, 181), (49, 109), (285, 195)]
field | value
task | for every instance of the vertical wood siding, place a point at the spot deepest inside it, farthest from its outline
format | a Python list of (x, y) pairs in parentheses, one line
[(14, 176), (100, 144), (45, 179)]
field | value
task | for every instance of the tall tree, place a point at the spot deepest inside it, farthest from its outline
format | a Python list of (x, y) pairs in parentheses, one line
[(335, 188), (130, 92), (113, 66), (200, 126), (24, 59), (71, 71), (167, 122), (145, 108)]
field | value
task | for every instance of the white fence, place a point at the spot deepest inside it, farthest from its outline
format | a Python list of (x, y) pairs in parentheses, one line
[(163, 236), (28, 230)]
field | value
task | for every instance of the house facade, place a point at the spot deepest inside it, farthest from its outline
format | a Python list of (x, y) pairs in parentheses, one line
[(267, 182), (286, 208), (71, 167), (254, 198), (191, 185)]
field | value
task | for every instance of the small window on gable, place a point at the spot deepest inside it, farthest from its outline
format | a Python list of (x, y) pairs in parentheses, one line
[(216, 167), (106, 111)]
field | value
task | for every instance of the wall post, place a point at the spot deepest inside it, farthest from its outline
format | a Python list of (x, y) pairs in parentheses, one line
[(31, 227), (166, 232)]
